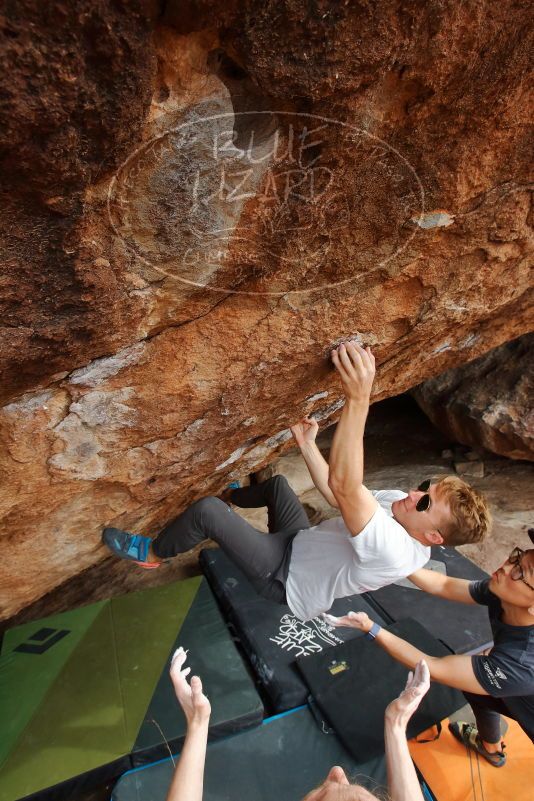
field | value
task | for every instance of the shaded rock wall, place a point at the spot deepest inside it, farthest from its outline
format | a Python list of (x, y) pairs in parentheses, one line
[(197, 203), (488, 402)]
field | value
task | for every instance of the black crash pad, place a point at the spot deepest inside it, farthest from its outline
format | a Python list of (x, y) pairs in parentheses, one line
[(353, 683), (271, 636), (464, 628), (284, 758), (213, 656)]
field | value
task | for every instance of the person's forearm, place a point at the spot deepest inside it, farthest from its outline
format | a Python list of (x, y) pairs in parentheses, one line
[(188, 780), (429, 580), (403, 783), (401, 650), (319, 470), (453, 670), (346, 453), (453, 589)]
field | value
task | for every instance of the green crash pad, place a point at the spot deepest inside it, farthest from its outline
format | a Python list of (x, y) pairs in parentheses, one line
[(284, 758), (75, 688), (235, 704)]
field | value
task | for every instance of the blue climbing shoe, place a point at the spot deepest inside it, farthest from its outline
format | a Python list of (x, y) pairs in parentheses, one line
[(467, 734), (226, 493), (134, 547)]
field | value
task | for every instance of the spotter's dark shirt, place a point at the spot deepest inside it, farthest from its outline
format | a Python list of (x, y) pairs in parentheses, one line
[(507, 672)]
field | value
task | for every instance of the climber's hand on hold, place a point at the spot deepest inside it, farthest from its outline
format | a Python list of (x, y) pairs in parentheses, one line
[(356, 368), (305, 430)]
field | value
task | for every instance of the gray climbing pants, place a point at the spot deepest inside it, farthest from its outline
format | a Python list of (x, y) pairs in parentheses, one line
[(263, 558)]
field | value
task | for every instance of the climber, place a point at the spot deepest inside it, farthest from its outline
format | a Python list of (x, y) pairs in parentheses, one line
[(378, 539), (499, 681)]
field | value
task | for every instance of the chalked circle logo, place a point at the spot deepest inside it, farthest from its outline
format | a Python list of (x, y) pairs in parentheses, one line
[(264, 203)]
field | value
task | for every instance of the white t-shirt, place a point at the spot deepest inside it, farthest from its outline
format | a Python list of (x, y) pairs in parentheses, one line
[(327, 562)]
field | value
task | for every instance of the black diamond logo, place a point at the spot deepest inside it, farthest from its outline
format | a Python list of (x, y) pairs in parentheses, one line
[(41, 641)]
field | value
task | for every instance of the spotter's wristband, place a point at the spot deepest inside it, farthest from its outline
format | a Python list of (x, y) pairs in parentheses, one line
[(373, 631)]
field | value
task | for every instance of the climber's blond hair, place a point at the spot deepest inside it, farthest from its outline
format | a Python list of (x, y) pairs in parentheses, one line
[(471, 518)]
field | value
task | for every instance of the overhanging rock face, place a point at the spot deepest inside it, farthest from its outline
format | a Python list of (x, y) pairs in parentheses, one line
[(198, 204)]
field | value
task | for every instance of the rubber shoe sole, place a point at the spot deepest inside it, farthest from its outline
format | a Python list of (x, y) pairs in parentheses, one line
[(147, 565), (468, 735)]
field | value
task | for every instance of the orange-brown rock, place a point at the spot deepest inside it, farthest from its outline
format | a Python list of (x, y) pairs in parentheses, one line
[(488, 402), (197, 203)]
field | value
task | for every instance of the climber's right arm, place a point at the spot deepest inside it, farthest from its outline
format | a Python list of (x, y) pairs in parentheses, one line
[(318, 467), (304, 433)]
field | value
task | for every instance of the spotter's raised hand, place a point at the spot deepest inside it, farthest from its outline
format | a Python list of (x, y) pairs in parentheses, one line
[(402, 708), (194, 703)]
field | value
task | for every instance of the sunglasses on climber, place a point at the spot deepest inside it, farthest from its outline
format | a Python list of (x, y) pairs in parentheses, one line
[(423, 504)]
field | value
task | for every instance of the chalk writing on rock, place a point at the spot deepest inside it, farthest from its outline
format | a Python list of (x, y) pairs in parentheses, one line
[(264, 202)]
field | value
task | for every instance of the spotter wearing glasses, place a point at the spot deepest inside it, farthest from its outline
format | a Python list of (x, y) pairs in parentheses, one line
[(497, 682)]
